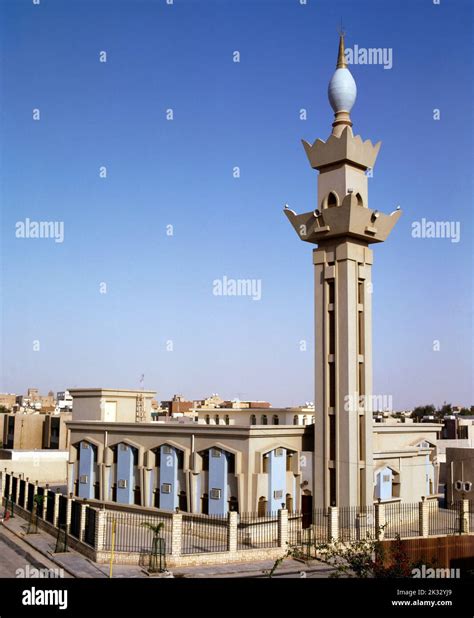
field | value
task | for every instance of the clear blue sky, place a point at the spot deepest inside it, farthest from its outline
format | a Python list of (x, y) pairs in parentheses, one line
[(179, 173)]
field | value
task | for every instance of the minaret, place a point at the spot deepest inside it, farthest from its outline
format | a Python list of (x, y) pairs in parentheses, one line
[(342, 226)]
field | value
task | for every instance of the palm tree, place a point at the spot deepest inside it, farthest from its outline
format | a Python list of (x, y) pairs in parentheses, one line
[(158, 542)]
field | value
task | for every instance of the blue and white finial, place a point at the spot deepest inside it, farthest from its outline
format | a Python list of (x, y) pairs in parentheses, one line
[(342, 91)]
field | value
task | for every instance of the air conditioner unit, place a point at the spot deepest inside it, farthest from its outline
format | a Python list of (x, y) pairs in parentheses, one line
[(215, 494), (166, 450), (166, 488), (83, 479), (122, 484), (278, 494), (215, 452), (278, 452)]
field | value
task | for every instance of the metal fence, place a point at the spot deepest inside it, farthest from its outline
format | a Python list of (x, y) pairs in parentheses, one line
[(62, 511), (6, 488), (131, 532), (402, 519), (444, 521), (357, 523), (50, 507), (257, 531), (14, 482), (202, 534), (90, 526), (21, 493), (30, 497), (75, 528), (307, 528)]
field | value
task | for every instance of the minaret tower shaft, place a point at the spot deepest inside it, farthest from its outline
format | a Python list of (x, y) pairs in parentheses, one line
[(342, 226)]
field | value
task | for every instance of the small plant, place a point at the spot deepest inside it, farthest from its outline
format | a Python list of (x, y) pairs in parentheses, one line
[(157, 547)]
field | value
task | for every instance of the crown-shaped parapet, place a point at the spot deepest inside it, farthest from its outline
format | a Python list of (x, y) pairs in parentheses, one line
[(344, 148), (350, 219)]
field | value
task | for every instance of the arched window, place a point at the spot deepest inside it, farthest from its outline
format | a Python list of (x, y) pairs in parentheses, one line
[(227, 419), (264, 419), (304, 419), (253, 419), (332, 199), (359, 199), (216, 418), (312, 420), (295, 419), (276, 420), (208, 419)]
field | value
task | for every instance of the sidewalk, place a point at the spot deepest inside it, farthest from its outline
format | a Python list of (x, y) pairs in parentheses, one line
[(261, 568), (72, 562)]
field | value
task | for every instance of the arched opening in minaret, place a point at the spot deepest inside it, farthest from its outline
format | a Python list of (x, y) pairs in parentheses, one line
[(332, 200), (360, 201)]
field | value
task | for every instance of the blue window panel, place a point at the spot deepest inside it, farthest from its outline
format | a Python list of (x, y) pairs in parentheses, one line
[(168, 478), (276, 479), (86, 471), (124, 474), (217, 489)]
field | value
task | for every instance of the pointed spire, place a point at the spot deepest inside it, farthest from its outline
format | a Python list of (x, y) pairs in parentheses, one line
[(341, 58)]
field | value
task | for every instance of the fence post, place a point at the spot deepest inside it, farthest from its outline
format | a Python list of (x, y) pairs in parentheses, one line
[(68, 513), (55, 497), (100, 530), (423, 517), (82, 520), (45, 501), (283, 528), (232, 531), (2, 481), (464, 516), (379, 520), (333, 523), (176, 534)]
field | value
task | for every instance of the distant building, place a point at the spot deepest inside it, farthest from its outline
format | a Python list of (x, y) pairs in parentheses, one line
[(111, 405), (177, 406), (35, 431), (7, 400), (64, 401)]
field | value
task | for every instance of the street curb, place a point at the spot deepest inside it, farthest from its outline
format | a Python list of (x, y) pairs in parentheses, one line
[(48, 555)]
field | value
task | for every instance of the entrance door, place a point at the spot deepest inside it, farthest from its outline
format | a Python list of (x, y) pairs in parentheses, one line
[(262, 506), (307, 510), (110, 412)]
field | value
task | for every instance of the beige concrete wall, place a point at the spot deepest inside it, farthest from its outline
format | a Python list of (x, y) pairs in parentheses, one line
[(53, 472), (93, 404), (397, 436), (28, 431)]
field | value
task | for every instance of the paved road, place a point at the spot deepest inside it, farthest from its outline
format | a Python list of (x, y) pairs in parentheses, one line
[(15, 554)]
